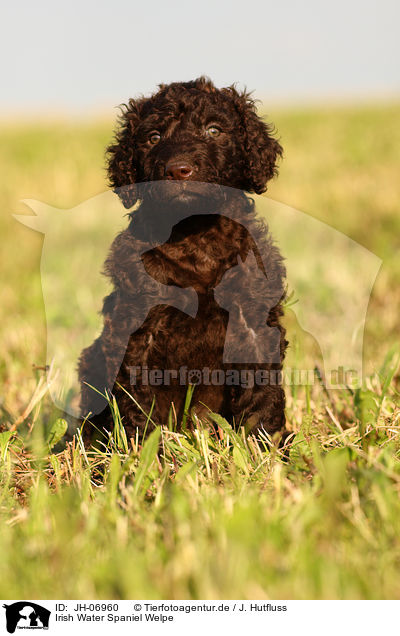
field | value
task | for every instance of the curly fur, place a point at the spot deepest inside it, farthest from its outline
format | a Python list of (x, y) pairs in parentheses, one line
[(210, 252)]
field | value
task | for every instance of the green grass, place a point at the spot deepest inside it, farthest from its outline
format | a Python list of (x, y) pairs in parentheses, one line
[(212, 515)]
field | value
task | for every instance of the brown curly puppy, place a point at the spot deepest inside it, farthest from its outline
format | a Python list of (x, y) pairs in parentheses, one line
[(198, 282)]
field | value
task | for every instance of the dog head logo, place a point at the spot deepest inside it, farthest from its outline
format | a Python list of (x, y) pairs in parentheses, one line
[(330, 276), (26, 615)]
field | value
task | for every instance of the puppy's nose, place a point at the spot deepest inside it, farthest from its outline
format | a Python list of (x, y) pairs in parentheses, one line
[(178, 171)]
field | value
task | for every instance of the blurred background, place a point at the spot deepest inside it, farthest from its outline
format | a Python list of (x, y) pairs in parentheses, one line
[(325, 73)]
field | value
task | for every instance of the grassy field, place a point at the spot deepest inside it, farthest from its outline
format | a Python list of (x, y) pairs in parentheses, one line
[(208, 517)]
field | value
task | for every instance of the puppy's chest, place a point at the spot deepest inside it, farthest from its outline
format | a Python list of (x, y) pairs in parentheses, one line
[(180, 339), (197, 254)]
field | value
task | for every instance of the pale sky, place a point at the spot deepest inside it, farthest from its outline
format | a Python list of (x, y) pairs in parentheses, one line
[(88, 55)]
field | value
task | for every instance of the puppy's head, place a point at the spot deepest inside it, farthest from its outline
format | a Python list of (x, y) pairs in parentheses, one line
[(192, 133)]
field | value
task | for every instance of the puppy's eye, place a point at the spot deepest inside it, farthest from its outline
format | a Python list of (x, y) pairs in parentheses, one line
[(213, 131), (154, 137)]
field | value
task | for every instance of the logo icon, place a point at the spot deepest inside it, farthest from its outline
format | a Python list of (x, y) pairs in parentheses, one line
[(329, 278), (26, 615)]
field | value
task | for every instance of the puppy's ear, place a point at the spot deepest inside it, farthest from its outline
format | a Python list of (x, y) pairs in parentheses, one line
[(121, 165), (262, 150)]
